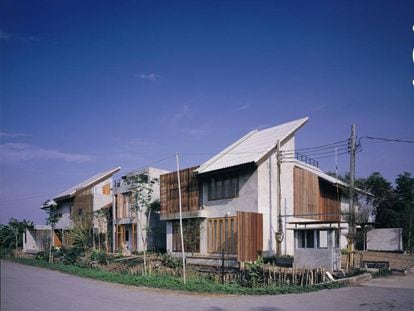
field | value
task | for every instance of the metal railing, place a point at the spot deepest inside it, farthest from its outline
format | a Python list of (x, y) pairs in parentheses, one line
[(306, 159)]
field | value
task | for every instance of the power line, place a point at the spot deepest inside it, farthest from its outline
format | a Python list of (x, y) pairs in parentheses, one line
[(396, 140)]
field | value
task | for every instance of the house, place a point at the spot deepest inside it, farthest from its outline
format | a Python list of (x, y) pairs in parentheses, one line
[(129, 227), (79, 206), (255, 198)]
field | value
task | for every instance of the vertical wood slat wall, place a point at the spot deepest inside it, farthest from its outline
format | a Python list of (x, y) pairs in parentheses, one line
[(222, 233), (312, 196), (120, 237), (250, 236), (189, 191), (83, 200), (329, 202)]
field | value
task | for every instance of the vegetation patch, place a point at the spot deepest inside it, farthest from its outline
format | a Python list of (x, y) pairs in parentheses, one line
[(194, 284)]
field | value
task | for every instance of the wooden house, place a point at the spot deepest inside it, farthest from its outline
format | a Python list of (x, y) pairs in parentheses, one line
[(251, 198)]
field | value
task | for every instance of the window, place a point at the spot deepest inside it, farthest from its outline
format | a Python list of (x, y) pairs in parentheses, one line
[(307, 238), (223, 187), (322, 238), (310, 238), (191, 235), (80, 212), (106, 189)]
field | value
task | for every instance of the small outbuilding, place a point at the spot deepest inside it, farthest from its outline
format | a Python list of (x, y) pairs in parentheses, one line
[(317, 245)]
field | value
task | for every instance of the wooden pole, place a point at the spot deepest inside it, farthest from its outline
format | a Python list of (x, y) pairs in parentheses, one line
[(351, 199), (181, 219), (279, 234)]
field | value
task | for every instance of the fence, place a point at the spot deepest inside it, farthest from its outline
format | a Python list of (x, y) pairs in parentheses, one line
[(268, 275)]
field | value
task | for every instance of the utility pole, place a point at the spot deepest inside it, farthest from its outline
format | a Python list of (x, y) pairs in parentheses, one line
[(181, 218), (279, 233), (352, 229)]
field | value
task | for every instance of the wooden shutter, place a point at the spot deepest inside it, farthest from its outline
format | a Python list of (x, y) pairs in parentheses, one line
[(250, 236)]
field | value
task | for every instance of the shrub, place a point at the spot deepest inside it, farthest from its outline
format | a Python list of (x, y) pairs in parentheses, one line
[(68, 255), (170, 261), (100, 256)]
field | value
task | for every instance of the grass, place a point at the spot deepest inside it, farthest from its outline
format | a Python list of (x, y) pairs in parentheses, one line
[(196, 285)]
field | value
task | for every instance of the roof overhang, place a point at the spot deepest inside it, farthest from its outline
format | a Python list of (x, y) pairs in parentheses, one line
[(70, 193)]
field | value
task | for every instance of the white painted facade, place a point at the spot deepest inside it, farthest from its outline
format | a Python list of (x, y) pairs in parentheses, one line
[(121, 187), (258, 187)]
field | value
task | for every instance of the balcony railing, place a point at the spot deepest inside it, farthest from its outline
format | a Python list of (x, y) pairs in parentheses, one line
[(306, 159)]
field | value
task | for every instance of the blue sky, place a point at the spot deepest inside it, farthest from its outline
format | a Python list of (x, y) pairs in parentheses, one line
[(86, 87)]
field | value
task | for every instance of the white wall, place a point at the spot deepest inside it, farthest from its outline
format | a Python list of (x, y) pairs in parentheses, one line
[(65, 222), (246, 201), (100, 199), (389, 239), (268, 199)]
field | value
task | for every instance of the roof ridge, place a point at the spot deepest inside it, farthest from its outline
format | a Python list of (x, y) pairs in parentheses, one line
[(226, 150)]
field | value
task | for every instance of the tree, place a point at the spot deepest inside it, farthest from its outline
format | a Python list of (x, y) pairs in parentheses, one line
[(11, 235), (404, 207), (141, 188), (52, 219), (383, 200), (101, 218)]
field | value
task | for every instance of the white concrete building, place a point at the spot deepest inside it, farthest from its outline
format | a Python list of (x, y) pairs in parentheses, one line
[(253, 196), (79, 204), (129, 233)]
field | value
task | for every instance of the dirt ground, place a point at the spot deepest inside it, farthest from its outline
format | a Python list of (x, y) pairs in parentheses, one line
[(396, 260)]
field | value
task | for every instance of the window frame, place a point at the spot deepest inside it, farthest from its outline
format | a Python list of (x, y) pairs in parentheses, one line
[(216, 187)]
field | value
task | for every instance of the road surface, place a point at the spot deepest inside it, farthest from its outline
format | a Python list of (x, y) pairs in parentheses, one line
[(31, 288)]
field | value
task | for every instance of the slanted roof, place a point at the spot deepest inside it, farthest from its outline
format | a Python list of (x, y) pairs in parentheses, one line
[(332, 180), (252, 147), (320, 174), (93, 180)]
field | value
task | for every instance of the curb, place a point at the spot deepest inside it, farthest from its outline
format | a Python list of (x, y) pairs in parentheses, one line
[(355, 280)]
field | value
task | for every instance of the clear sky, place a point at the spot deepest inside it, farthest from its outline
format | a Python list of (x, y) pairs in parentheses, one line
[(87, 86)]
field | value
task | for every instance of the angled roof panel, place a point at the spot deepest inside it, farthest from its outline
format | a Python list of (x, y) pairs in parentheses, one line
[(94, 179), (252, 147)]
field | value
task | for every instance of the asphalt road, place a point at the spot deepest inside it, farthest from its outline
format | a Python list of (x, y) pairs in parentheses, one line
[(30, 288)]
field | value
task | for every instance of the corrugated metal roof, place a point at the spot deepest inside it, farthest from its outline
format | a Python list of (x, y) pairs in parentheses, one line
[(94, 179), (251, 147)]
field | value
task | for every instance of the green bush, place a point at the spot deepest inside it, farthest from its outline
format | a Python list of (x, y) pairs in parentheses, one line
[(68, 255), (170, 261), (382, 272), (100, 256), (193, 284)]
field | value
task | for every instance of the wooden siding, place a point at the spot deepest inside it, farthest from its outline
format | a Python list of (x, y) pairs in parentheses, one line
[(189, 191), (121, 210), (313, 198), (222, 234), (82, 210), (250, 236), (329, 202)]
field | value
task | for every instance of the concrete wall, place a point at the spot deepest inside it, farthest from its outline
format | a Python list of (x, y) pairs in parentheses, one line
[(311, 258), (65, 222), (389, 239), (246, 201), (120, 187), (100, 199), (36, 239), (268, 200)]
